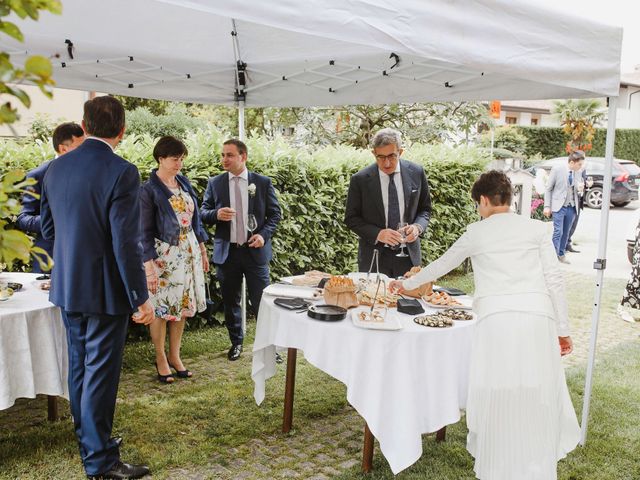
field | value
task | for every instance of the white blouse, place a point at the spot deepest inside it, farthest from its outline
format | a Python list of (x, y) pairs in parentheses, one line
[(515, 268)]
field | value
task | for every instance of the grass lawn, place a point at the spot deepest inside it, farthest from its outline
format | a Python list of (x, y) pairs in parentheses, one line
[(210, 427)]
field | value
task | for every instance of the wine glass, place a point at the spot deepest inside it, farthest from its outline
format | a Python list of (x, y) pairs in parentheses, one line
[(252, 223), (402, 229)]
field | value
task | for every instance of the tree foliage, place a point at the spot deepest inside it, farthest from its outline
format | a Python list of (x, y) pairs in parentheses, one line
[(579, 119)]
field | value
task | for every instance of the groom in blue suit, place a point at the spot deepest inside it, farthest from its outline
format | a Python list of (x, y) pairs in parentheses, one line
[(240, 247), (90, 204)]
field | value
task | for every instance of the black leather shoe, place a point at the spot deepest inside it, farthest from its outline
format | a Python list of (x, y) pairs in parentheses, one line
[(122, 471), (234, 352), (572, 250), (279, 358), (117, 440)]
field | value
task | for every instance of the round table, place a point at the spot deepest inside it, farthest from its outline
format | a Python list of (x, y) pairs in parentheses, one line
[(33, 345), (403, 383)]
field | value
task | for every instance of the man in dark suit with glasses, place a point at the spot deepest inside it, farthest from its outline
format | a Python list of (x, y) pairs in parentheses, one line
[(388, 205)]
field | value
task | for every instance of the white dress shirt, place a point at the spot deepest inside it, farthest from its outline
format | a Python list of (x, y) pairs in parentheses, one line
[(515, 268), (384, 184), (244, 192)]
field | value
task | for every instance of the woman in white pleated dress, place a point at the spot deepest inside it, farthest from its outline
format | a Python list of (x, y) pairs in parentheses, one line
[(519, 413)]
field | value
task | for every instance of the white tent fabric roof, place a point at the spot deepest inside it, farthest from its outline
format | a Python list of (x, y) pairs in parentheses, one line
[(325, 52)]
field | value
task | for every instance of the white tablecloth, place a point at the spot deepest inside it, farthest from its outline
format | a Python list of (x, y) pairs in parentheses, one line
[(33, 345), (403, 383)]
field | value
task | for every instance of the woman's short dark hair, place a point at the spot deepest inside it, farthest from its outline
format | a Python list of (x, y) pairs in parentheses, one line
[(494, 185), (103, 117), (169, 147), (65, 133)]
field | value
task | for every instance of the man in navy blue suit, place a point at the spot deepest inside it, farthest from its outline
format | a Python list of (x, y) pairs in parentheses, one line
[(90, 203), (239, 246), (66, 137)]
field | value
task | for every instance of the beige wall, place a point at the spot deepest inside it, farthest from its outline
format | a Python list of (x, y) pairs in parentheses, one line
[(65, 105)]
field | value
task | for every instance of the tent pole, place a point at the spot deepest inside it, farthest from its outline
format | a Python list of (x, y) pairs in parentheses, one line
[(243, 301), (600, 264)]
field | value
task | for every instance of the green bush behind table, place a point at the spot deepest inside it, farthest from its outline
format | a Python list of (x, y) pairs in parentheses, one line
[(312, 188)]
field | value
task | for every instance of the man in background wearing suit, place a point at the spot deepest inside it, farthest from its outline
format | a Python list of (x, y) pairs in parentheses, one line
[(90, 203), (562, 199), (231, 199), (381, 196), (66, 137)]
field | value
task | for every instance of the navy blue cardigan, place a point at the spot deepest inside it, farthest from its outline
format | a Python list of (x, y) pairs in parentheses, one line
[(158, 218)]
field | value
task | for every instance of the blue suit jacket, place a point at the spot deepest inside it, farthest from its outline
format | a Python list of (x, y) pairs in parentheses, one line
[(158, 218), (29, 218), (91, 203), (264, 205)]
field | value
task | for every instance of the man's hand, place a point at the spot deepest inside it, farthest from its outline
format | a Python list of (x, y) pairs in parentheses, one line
[(412, 233), (566, 345), (145, 314), (547, 212), (225, 214), (256, 241), (389, 236)]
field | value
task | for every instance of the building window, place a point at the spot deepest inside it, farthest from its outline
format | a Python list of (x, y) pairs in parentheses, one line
[(510, 120), (534, 121)]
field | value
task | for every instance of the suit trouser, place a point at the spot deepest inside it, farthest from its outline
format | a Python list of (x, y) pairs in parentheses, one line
[(562, 221), (96, 344), (389, 263), (572, 230), (240, 263)]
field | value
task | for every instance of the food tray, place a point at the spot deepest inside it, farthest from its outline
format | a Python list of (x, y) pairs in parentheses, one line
[(391, 321)]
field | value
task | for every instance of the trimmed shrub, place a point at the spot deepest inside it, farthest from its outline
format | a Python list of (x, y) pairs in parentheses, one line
[(312, 188)]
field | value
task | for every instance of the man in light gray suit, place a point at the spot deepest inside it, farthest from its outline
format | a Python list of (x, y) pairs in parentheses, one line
[(562, 199), (382, 197)]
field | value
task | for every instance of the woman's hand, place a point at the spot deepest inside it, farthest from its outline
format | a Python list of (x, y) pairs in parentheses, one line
[(566, 345), (395, 286), (152, 276), (205, 258)]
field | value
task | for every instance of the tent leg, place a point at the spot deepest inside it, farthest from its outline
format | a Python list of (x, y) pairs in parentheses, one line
[(243, 301), (599, 265)]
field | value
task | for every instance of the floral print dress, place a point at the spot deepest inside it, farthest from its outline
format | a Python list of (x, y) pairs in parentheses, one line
[(181, 290), (631, 296)]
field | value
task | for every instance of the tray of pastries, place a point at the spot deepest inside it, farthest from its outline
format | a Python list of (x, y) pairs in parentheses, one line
[(378, 319), (443, 300), (436, 320), (311, 278), (388, 299)]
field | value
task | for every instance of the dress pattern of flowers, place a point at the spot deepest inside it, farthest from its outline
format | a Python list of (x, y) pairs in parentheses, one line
[(181, 290)]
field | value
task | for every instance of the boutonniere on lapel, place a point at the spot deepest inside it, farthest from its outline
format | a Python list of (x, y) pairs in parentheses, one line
[(252, 189)]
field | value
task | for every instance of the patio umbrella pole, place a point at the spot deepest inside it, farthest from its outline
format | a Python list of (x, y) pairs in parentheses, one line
[(243, 301), (600, 264)]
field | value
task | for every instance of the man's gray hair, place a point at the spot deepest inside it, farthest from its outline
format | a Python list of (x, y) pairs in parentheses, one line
[(386, 136)]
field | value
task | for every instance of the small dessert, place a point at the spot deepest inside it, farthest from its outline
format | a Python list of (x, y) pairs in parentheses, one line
[(366, 316)]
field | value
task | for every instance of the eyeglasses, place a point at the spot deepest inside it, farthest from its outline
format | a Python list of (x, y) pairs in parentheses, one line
[(391, 156)]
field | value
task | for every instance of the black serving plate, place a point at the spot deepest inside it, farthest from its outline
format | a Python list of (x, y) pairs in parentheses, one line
[(327, 313), (15, 286)]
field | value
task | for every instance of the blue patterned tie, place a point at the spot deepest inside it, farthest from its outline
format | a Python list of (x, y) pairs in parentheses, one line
[(393, 215)]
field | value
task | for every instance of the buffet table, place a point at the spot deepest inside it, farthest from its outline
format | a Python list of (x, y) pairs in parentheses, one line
[(403, 383), (33, 345)]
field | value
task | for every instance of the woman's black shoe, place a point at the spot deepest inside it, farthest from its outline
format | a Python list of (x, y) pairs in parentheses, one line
[(164, 378), (182, 373)]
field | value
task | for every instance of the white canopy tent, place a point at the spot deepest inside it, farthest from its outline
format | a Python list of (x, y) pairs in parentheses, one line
[(334, 52)]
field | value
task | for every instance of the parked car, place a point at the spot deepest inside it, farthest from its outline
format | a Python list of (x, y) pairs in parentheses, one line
[(625, 179)]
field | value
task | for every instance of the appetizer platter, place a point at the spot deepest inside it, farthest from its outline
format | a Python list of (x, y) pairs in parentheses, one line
[(376, 319), (443, 300), (436, 320)]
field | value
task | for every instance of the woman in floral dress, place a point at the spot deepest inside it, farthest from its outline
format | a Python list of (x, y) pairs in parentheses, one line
[(175, 257)]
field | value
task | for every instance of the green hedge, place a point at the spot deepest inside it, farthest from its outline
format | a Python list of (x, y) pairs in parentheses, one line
[(312, 188), (551, 141)]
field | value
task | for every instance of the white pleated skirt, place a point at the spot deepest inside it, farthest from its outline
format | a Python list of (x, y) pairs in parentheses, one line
[(519, 413)]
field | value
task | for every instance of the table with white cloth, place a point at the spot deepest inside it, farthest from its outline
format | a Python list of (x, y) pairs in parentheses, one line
[(33, 345), (403, 383)]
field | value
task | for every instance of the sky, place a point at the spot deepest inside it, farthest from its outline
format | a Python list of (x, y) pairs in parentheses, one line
[(624, 13)]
